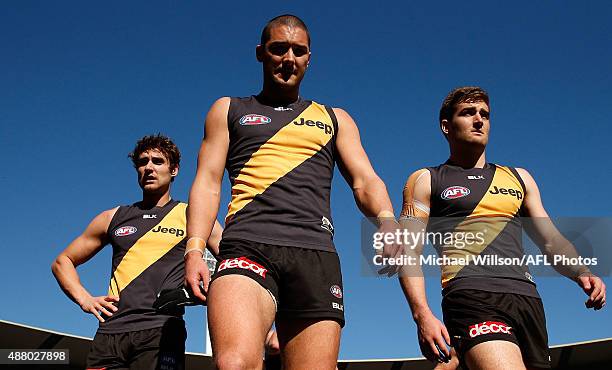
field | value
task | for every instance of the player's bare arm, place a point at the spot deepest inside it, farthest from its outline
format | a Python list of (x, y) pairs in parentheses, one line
[(79, 251), (215, 238), (414, 217), (548, 238), (205, 195), (369, 190)]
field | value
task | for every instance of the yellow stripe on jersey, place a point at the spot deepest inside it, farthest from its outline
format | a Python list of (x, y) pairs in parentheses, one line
[(497, 207), (149, 248), (287, 149), (496, 204)]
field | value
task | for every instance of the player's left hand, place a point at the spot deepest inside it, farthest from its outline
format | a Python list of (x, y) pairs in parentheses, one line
[(595, 288), (197, 275)]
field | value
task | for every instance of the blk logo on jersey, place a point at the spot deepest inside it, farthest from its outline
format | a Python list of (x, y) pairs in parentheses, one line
[(512, 192), (125, 231), (164, 230), (455, 192), (254, 119), (327, 225), (489, 327), (329, 130), (336, 291)]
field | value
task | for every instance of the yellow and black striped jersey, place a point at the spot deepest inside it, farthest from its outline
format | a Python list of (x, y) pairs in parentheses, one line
[(485, 204), (148, 247), (280, 164)]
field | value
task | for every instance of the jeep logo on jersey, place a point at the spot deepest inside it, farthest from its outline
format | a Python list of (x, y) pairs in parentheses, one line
[(513, 192), (329, 130), (336, 291), (455, 192), (125, 231), (489, 327), (243, 263), (327, 225), (165, 230), (254, 119)]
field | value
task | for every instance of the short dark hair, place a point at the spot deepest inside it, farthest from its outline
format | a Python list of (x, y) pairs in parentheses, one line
[(465, 94), (160, 142), (288, 20)]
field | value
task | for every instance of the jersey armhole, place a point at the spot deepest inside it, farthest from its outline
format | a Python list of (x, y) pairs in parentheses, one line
[(113, 222), (332, 115), (521, 211), (232, 104)]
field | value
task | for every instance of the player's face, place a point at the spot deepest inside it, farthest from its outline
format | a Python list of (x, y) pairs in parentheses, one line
[(285, 56), (470, 124), (154, 173)]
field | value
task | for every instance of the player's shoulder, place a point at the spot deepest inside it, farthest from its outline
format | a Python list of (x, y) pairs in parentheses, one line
[(522, 173), (109, 213), (102, 220), (221, 104), (340, 113), (422, 176), (224, 100), (527, 178)]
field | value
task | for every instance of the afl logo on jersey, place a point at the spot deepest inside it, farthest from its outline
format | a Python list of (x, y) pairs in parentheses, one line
[(454, 192), (254, 119), (125, 231), (336, 291)]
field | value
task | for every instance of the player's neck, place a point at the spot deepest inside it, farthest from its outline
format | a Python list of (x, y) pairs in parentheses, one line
[(468, 157), (272, 95), (150, 200)]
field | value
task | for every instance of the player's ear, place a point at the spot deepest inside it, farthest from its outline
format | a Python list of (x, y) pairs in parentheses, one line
[(444, 126), (259, 51), (174, 171)]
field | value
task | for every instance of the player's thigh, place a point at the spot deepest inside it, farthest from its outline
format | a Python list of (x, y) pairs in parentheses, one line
[(308, 343), (240, 312), (494, 355)]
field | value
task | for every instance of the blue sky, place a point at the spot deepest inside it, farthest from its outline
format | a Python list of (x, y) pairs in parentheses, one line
[(81, 82)]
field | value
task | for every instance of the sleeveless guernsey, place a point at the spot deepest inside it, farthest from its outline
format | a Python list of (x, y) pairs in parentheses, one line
[(280, 164)]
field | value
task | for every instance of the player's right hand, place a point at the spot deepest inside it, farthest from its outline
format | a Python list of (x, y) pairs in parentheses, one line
[(389, 227), (197, 275), (432, 332), (100, 305)]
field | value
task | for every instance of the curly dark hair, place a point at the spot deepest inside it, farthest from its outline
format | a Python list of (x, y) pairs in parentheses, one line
[(160, 142), (465, 94)]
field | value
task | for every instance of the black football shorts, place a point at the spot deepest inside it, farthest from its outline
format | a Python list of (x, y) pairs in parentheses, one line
[(477, 316), (304, 283)]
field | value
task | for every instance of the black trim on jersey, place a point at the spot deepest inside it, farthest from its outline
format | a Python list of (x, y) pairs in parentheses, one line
[(521, 212)]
